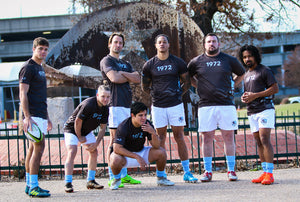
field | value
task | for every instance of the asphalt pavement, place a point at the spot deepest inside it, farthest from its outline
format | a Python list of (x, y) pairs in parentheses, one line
[(285, 188)]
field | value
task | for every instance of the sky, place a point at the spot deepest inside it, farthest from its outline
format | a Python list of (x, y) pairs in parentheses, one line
[(30, 8)]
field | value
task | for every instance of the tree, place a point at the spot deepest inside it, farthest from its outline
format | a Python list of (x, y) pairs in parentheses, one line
[(292, 69), (222, 16)]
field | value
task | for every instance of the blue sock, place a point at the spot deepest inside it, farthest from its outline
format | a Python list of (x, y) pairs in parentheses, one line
[(230, 163), (91, 175), (68, 178), (118, 176), (269, 167), (27, 179), (161, 173), (33, 181), (186, 166), (110, 173), (207, 164), (123, 172), (264, 166)]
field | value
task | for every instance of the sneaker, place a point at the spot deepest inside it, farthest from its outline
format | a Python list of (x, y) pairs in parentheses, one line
[(92, 184), (269, 179), (188, 177), (110, 181), (163, 181), (232, 176), (130, 180), (206, 177), (115, 184), (260, 179), (69, 187), (27, 190), (38, 192)]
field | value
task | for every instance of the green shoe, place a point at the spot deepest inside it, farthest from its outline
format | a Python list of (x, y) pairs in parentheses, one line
[(130, 180), (110, 181), (37, 192)]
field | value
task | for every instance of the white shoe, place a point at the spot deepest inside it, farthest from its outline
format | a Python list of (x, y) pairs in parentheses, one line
[(162, 181), (115, 184)]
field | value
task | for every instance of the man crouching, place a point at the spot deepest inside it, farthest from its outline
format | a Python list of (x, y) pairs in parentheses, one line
[(129, 149)]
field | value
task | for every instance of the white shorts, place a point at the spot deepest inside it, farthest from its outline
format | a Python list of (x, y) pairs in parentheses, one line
[(174, 116), (42, 124), (264, 119), (212, 117), (133, 163), (117, 115), (72, 139)]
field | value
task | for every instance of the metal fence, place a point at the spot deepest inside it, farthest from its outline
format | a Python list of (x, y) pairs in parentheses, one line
[(284, 138)]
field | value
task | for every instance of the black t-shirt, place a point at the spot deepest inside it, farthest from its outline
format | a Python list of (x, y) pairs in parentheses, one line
[(132, 138), (121, 94), (164, 74), (214, 75), (91, 115), (33, 74), (257, 80)]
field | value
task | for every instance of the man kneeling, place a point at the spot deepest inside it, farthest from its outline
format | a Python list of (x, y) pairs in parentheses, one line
[(129, 150)]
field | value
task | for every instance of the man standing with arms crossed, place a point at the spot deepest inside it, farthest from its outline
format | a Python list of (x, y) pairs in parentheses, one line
[(87, 116), (118, 73), (260, 85), (165, 78), (33, 97), (211, 74)]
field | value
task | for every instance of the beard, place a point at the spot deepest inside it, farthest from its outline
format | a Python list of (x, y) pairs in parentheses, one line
[(249, 64), (213, 52)]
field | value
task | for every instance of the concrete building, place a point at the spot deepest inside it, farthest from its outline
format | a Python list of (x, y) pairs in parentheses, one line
[(17, 35)]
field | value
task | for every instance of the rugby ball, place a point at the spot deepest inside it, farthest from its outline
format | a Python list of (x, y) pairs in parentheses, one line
[(35, 134)]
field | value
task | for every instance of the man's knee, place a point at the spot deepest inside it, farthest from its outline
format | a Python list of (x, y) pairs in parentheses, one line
[(117, 160)]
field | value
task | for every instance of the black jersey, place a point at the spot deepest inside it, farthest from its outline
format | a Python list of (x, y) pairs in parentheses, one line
[(132, 138), (257, 80), (121, 94), (214, 75), (164, 74), (91, 115), (34, 75)]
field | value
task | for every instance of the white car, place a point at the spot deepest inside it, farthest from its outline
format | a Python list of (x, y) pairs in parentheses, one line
[(294, 99)]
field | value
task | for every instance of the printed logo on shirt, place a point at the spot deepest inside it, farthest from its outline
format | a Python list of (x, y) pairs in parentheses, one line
[(180, 119), (164, 68), (97, 116), (213, 64), (42, 74), (138, 135), (122, 66), (250, 78)]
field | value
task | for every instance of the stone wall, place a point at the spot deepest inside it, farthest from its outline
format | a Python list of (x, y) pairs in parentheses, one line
[(59, 109)]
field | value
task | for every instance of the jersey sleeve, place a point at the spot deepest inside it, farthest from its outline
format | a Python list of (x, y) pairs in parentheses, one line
[(269, 77), (120, 135), (146, 70), (25, 75), (106, 65), (237, 67), (191, 67), (83, 112)]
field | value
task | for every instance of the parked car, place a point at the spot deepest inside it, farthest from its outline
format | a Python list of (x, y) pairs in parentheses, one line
[(294, 99)]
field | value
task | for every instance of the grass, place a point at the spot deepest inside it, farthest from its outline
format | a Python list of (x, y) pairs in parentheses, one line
[(281, 110)]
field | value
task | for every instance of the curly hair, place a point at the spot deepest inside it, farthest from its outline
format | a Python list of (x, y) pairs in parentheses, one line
[(254, 52)]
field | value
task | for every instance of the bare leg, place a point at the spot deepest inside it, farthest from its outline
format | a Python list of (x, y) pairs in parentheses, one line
[(228, 137), (69, 165), (179, 138)]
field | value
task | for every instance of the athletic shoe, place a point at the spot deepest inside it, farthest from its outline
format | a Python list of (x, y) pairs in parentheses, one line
[(37, 192), (69, 187), (27, 190), (206, 177), (232, 176), (260, 179), (110, 181), (115, 184), (269, 179), (130, 180), (163, 181), (188, 177), (92, 184)]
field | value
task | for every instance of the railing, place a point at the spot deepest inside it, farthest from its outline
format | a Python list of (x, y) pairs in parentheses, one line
[(284, 138)]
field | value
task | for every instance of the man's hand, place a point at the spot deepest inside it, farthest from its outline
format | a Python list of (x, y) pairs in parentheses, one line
[(82, 139), (248, 97), (49, 126), (142, 162), (148, 128), (27, 123), (91, 147)]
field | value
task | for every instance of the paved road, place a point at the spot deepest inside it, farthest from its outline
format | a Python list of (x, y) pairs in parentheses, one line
[(285, 188)]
